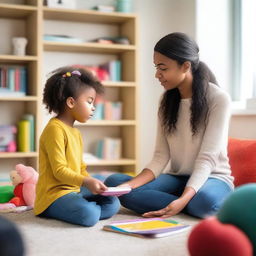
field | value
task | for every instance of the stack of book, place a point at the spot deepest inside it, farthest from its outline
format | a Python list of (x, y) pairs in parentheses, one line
[(13, 81), (109, 148), (113, 68), (110, 71), (107, 110), (62, 38), (26, 134)]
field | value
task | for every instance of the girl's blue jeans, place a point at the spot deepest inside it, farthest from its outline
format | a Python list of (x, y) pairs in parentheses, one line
[(82, 208), (166, 188)]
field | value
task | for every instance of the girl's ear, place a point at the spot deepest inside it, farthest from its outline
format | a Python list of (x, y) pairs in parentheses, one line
[(70, 102), (186, 66)]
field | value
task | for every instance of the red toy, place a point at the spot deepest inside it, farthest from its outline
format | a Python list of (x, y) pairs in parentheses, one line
[(212, 238)]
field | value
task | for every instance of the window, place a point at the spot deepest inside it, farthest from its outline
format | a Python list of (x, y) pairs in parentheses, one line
[(243, 60)]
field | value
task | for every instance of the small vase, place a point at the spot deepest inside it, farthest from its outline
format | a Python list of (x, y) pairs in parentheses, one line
[(124, 6)]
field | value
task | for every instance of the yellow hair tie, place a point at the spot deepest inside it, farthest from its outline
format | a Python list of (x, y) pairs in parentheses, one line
[(68, 74)]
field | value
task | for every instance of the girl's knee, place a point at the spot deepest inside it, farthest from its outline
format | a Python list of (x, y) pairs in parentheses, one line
[(112, 208), (89, 217), (116, 179)]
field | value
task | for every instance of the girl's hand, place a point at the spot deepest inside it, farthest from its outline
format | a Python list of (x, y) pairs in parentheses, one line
[(94, 185), (173, 208)]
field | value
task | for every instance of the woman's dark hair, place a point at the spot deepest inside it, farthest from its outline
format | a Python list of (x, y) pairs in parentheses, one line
[(181, 48), (61, 86)]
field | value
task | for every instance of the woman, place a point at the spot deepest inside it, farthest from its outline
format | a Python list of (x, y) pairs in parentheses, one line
[(192, 134)]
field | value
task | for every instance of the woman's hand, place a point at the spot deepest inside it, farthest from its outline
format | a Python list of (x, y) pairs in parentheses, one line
[(94, 185), (173, 208)]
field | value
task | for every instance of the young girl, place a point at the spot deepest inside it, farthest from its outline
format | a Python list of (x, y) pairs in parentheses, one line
[(192, 134), (65, 191)]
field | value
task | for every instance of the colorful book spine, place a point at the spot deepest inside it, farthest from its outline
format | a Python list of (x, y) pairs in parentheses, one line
[(23, 80), (30, 119), (24, 136), (13, 80), (99, 111), (112, 110), (109, 148)]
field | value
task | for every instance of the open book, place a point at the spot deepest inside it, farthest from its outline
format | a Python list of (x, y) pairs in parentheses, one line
[(151, 228)]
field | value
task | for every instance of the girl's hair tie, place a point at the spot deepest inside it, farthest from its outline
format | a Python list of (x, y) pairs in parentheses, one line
[(69, 74)]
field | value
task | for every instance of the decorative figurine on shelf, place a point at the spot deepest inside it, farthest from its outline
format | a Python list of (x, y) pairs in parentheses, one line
[(19, 45), (24, 178), (124, 6), (7, 138), (68, 4)]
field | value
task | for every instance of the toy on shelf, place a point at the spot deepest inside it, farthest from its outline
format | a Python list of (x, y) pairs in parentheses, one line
[(24, 178), (7, 138)]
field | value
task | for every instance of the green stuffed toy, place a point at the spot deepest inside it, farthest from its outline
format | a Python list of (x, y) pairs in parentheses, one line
[(6, 193)]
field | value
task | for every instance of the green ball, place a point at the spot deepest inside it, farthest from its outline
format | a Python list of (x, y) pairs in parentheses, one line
[(6, 193), (239, 209)]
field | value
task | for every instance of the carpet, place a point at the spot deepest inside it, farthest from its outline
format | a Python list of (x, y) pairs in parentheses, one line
[(48, 237)]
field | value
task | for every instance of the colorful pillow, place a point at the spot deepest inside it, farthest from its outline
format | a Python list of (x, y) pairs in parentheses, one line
[(242, 159)]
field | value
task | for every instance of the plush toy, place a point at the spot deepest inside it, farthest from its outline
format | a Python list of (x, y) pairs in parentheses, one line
[(239, 210), (24, 178), (212, 238)]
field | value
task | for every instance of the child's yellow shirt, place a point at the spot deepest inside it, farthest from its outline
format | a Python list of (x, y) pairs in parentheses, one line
[(61, 166)]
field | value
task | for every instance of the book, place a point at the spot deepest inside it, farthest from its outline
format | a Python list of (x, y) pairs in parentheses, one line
[(149, 228), (62, 38), (116, 191), (24, 136), (30, 119)]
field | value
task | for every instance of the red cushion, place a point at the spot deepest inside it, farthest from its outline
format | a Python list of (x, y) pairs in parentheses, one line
[(242, 159)]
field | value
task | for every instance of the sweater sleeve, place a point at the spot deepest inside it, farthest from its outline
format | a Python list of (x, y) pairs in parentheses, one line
[(83, 164), (55, 148), (213, 142), (162, 152)]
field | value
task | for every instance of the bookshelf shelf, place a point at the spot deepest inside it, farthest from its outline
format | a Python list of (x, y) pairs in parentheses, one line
[(25, 98), (108, 123), (21, 21), (18, 155), (34, 18), (16, 11), (118, 84), (118, 162), (87, 47), (17, 59), (88, 16), (125, 90)]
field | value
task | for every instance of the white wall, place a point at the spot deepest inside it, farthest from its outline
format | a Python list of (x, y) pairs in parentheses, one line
[(156, 19)]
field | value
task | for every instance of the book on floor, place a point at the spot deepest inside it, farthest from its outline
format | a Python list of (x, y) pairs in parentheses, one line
[(150, 228)]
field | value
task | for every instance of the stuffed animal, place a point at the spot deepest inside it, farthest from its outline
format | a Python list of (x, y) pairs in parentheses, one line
[(24, 178)]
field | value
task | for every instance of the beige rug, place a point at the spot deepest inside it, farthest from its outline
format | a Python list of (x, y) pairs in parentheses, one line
[(47, 237)]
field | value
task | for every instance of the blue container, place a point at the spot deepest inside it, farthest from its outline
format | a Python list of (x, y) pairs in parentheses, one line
[(124, 6)]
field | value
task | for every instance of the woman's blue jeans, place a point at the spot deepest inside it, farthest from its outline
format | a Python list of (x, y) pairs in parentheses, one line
[(166, 188), (82, 208)]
